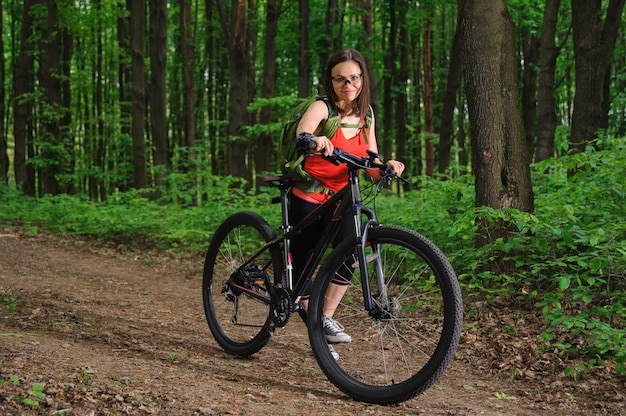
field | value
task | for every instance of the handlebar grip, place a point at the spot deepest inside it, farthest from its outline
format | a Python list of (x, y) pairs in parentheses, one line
[(305, 142)]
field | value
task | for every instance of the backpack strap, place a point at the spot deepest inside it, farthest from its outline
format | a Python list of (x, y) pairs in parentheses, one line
[(334, 121)]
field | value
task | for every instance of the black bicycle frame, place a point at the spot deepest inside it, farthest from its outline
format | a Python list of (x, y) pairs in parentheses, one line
[(347, 200)]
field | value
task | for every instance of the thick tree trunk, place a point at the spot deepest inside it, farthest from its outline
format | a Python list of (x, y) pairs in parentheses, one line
[(546, 106), (238, 113), (594, 44), (138, 92), (499, 152)]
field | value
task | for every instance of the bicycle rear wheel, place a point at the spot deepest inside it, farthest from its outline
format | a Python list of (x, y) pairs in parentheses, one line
[(236, 299), (401, 347)]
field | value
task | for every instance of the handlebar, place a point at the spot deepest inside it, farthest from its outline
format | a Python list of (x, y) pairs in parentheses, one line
[(372, 161)]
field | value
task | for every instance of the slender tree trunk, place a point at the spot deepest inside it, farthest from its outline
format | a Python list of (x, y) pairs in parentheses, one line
[(332, 30), (187, 43), (4, 156), (124, 88), (97, 186), (529, 88), (546, 106), (24, 86), (389, 77), (157, 92), (455, 73), (138, 92), (264, 146), (594, 43), (428, 96), (401, 100), (368, 34), (304, 67), (499, 152), (67, 43)]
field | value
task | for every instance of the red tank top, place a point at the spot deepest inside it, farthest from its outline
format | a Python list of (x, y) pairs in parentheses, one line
[(330, 176)]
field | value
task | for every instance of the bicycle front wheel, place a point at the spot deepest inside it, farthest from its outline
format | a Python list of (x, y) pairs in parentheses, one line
[(407, 339), (236, 299)]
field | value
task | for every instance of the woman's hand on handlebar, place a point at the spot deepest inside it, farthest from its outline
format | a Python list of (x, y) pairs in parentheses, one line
[(397, 166), (323, 145)]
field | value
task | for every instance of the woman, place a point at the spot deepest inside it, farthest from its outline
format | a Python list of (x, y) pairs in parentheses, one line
[(346, 83)]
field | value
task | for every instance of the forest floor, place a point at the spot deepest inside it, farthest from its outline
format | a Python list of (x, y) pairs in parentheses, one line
[(89, 330)]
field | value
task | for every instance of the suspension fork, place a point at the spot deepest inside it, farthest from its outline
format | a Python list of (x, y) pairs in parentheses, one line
[(362, 230)]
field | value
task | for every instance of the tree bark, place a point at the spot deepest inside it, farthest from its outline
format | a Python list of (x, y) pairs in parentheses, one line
[(4, 156), (138, 91), (455, 73), (546, 106), (304, 66), (263, 151), (530, 48), (238, 114), (594, 43), (157, 92), (499, 151), (401, 101), (428, 97), (24, 86), (187, 45), (386, 141)]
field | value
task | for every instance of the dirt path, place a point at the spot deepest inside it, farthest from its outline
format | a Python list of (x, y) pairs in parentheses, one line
[(109, 334)]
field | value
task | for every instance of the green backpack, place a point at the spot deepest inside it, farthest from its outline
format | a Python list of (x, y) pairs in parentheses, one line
[(292, 163)]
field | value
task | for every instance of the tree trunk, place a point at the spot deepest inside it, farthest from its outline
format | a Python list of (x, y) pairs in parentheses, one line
[(455, 72), (546, 106), (138, 91), (157, 92), (238, 113), (368, 33), (304, 67), (4, 156), (594, 44), (124, 83), (401, 100), (97, 186), (264, 145), (428, 96), (530, 46), (332, 30), (385, 141), (187, 47), (499, 152), (24, 86)]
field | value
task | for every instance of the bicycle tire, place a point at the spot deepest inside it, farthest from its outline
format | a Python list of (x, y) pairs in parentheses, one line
[(396, 355), (240, 323)]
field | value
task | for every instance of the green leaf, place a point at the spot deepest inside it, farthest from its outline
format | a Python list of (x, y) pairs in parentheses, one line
[(564, 283)]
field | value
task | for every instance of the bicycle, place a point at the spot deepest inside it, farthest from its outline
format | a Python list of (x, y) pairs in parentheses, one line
[(403, 308)]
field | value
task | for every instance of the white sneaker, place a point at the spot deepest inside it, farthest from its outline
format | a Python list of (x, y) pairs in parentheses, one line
[(334, 353), (334, 331)]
